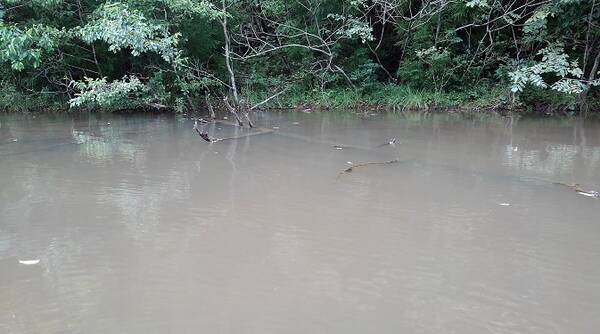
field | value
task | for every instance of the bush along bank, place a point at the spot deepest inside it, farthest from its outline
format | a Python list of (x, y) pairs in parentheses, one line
[(528, 55)]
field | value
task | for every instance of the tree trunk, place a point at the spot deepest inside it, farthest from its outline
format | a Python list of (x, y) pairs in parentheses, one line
[(211, 110), (583, 96)]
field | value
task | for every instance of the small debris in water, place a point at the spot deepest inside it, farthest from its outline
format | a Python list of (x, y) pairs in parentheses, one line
[(504, 204), (590, 193), (29, 262), (391, 142)]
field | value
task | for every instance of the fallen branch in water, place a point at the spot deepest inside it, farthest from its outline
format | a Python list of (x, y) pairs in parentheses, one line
[(574, 186), (242, 136), (316, 140), (351, 168), (577, 188), (204, 135)]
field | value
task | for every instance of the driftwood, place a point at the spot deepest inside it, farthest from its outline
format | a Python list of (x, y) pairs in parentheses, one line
[(577, 188), (203, 135), (241, 136), (258, 131), (206, 137), (365, 164), (334, 144)]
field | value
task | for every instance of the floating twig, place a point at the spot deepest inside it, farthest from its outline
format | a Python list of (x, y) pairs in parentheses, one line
[(351, 168), (242, 136), (206, 137)]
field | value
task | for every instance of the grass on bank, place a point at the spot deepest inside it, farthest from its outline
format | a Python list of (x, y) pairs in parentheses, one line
[(383, 97), (386, 96), (405, 98)]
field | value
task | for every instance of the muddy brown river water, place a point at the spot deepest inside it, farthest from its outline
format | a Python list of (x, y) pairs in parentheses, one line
[(134, 224)]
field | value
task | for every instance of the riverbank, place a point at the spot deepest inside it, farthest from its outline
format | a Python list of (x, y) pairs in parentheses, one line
[(383, 98)]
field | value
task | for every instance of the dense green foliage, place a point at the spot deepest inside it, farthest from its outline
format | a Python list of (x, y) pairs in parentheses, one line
[(400, 53)]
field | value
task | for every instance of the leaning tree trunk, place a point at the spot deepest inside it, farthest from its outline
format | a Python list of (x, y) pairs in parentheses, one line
[(229, 65), (583, 96)]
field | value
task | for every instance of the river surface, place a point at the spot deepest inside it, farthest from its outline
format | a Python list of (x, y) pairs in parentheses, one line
[(140, 226)]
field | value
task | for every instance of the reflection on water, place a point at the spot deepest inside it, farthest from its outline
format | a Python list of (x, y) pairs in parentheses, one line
[(142, 227)]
